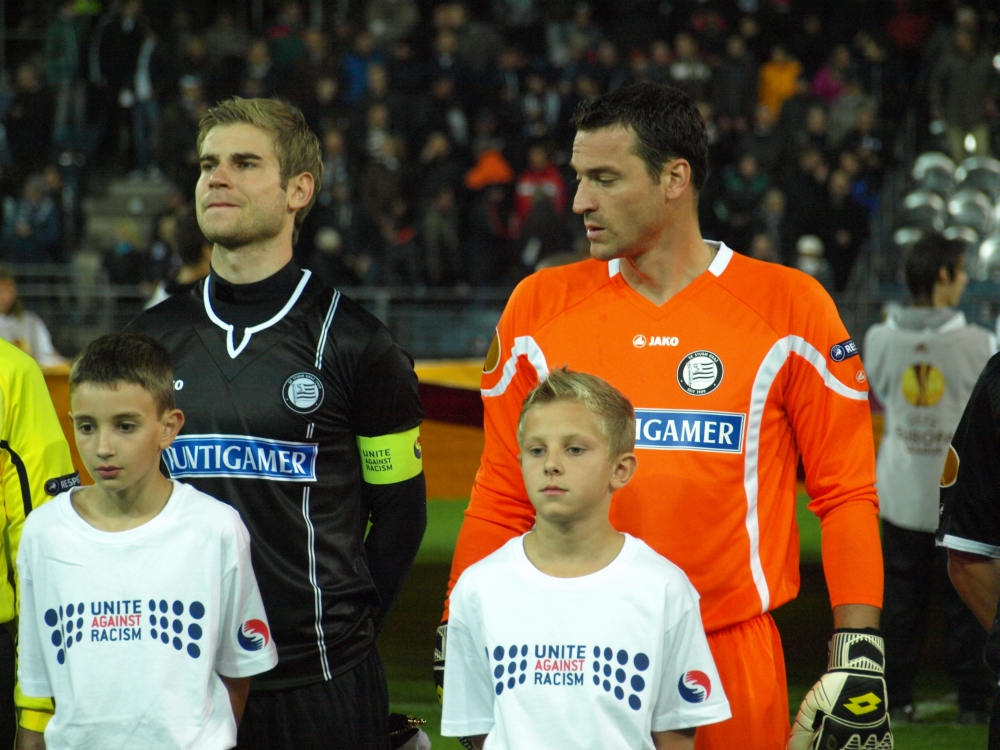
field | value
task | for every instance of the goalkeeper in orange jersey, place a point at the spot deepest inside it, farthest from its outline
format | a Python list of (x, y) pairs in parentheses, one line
[(737, 369)]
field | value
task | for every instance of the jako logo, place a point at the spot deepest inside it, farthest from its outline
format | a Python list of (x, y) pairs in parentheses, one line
[(253, 635), (640, 341), (694, 686)]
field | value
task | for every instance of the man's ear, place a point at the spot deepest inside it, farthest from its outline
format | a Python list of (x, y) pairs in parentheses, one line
[(675, 177), (945, 276), (300, 191)]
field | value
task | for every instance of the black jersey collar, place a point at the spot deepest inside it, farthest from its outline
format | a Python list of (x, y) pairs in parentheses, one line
[(234, 350)]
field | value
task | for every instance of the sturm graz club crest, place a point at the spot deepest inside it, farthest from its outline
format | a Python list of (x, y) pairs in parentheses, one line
[(303, 393), (699, 373)]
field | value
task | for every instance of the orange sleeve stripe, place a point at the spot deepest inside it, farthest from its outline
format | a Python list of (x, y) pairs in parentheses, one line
[(852, 554)]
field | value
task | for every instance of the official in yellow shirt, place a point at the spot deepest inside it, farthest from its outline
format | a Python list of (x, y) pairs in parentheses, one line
[(35, 466)]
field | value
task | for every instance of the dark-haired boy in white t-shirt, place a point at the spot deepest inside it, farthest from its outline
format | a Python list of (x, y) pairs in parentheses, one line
[(575, 635), (140, 613)]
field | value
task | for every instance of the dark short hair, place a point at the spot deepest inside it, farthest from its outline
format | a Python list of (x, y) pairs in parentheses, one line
[(189, 239), (666, 123), (127, 357), (925, 259)]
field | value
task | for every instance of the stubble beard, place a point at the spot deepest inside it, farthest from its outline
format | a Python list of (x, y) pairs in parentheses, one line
[(253, 230)]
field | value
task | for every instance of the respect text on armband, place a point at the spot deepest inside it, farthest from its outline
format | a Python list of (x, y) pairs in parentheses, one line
[(241, 457)]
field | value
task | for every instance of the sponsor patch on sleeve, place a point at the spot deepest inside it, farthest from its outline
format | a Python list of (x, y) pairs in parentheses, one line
[(388, 459), (843, 350), (62, 484)]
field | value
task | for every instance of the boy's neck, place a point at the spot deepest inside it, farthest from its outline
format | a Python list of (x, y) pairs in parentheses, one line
[(572, 550), (125, 509)]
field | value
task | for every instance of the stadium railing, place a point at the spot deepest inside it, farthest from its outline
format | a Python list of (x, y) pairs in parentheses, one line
[(78, 304)]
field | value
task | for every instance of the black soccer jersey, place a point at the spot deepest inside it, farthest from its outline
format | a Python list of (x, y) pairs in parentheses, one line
[(970, 494), (287, 421)]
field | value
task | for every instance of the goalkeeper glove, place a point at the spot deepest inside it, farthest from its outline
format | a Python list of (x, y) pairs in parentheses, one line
[(440, 645), (847, 709)]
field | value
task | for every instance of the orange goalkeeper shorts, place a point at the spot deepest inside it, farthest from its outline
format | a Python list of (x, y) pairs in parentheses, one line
[(751, 665)]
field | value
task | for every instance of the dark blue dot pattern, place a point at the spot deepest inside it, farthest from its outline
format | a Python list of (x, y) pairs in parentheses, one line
[(500, 653), (161, 627), (641, 663)]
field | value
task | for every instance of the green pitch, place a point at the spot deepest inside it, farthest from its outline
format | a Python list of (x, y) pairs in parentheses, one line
[(407, 642)]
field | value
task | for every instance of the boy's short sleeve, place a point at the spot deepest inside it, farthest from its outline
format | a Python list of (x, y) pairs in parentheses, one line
[(691, 691), (245, 644), (468, 689), (32, 677)]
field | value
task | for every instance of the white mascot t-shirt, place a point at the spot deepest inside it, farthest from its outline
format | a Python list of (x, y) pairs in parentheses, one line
[(129, 631), (602, 660)]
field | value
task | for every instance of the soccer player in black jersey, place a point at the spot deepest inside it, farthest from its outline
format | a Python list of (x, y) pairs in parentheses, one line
[(303, 414), (970, 516)]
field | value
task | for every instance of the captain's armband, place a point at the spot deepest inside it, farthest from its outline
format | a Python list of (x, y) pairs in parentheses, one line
[(389, 459)]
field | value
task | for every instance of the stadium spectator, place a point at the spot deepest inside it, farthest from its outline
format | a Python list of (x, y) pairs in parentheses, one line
[(776, 78), (487, 237), (193, 254), (23, 328), (735, 87), (285, 37), (116, 48), (31, 225), (688, 71), (62, 73), (541, 176), (391, 21), (764, 140), (829, 82), (923, 364), (743, 187), (844, 112), (846, 228), (28, 122), (963, 93)]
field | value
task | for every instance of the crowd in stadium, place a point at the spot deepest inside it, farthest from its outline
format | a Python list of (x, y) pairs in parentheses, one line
[(446, 127)]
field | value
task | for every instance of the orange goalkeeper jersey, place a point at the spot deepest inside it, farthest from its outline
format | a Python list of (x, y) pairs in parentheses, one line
[(732, 379)]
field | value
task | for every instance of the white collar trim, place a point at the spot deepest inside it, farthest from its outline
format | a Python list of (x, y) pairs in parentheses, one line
[(234, 351), (722, 257)]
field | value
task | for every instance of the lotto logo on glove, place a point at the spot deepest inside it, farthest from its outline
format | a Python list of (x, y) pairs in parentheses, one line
[(847, 709)]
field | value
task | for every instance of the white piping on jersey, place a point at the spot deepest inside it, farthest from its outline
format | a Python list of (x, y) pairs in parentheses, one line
[(766, 374), (523, 345), (722, 257), (326, 329), (970, 546), (234, 351), (317, 594)]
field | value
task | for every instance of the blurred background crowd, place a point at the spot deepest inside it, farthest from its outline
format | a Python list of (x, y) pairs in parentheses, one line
[(446, 126)]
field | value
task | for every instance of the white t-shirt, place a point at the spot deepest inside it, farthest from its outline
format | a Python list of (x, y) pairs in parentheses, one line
[(129, 631), (599, 661)]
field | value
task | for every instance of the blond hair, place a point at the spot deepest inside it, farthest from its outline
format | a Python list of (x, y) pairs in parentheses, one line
[(613, 410), (295, 145)]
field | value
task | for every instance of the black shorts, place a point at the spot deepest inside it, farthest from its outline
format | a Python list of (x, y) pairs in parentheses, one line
[(349, 712)]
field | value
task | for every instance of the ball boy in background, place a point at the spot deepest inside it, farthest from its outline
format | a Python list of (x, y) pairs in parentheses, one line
[(923, 363), (140, 613), (613, 653)]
